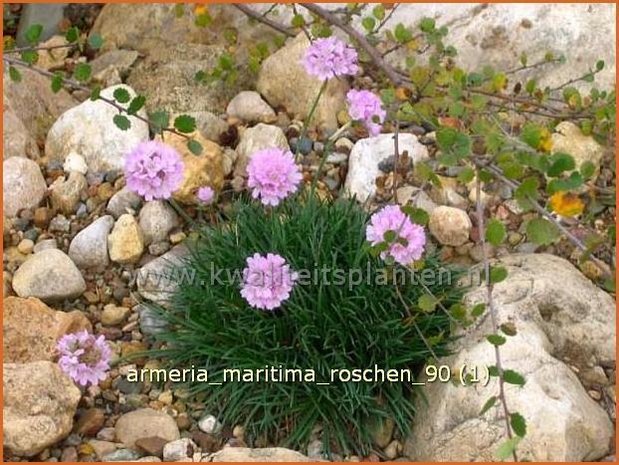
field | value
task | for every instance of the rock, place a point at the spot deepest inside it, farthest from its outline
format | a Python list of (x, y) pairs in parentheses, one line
[(168, 76), (69, 455), (179, 450), (261, 136), (16, 140), (268, 454), (49, 275), (113, 315), (90, 422), (44, 245), (157, 279), (47, 16), (60, 223), (123, 201), (156, 220), (54, 57), (283, 82), (450, 226), (201, 170), (209, 424), (75, 162), (31, 329), (66, 194), (33, 103), (382, 432), (88, 249), (416, 197), (39, 405), (145, 423), (208, 124), (447, 193), (559, 314), (25, 246), (102, 448), (368, 153), (23, 185), (568, 138), (121, 455), (89, 130), (114, 61), (249, 106), (150, 321), (126, 241), (152, 446), (393, 449)]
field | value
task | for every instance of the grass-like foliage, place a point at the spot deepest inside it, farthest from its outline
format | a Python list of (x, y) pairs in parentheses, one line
[(321, 327)]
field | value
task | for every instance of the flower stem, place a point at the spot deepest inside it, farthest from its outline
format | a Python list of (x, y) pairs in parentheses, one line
[(308, 120), (181, 211), (325, 155)]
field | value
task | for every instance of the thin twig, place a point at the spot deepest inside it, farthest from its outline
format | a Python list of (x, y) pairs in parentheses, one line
[(374, 54), (387, 17), (412, 320), (534, 65), (263, 19), (396, 159), (492, 309), (35, 49)]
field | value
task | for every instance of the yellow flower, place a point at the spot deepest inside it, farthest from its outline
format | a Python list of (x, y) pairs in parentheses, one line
[(200, 9), (545, 143), (566, 204)]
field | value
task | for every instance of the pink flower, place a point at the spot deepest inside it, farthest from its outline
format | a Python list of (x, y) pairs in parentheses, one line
[(84, 357), (366, 107), (154, 170), (410, 238), (267, 281), (206, 195), (330, 57), (273, 175)]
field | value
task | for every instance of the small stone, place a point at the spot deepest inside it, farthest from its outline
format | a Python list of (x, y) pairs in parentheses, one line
[(75, 162), (113, 315), (123, 201), (183, 421), (88, 248), (158, 248), (393, 449), (66, 193), (249, 106), (101, 448), (144, 423), (238, 431), (69, 454), (381, 430), (23, 185), (207, 442), (152, 445), (262, 136), (60, 223), (90, 422), (303, 145), (126, 241), (177, 237), (150, 321), (179, 450), (49, 275), (337, 158), (450, 226), (156, 220), (315, 449), (595, 395), (209, 424), (106, 434), (42, 217), (121, 455), (25, 246)]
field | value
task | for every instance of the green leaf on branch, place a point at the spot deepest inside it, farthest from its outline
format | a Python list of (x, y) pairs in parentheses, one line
[(30, 56), (587, 169), (495, 232), (453, 142), (194, 146), (82, 72), (427, 25), (185, 124), (96, 93), (572, 182), (507, 448), (297, 21), (599, 65), (466, 175), (368, 23), (427, 302), (497, 274), (527, 192), (478, 310), (122, 122), (513, 377), (72, 35), (496, 339), (56, 82), (518, 424), (488, 405), (95, 41), (159, 120), (136, 104), (379, 12), (542, 232), (417, 215), (402, 34), (122, 95), (33, 33), (560, 162), (14, 74)]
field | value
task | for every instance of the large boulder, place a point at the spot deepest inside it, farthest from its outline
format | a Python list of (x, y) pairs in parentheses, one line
[(31, 329), (560, 317), (39, 406), (23, 185), (89, 130), (49, 275), (283, 82)]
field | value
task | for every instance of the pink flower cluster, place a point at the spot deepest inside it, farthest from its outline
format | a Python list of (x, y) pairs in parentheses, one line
[(267, 281), (154, 170), (84, 357), (410, 238), (366, 107), (272, 175), (206, 195), (330, 57)]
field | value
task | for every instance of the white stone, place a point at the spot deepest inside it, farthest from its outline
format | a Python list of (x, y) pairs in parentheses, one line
[(209, 424), (179, 450), (88, 129), (248, 105), (450, 226), (261, 136), (75, 162), (368, 153), (88, 249), (23, 185)]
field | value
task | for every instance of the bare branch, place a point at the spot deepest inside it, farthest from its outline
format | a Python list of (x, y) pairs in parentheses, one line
[(263, 19)]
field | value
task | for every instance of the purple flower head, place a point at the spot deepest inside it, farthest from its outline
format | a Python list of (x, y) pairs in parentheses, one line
[(154, 170), (330, 57), (84, 357), (410, 238), (206, 195), (366, 107), (273, 175), (267, 281)]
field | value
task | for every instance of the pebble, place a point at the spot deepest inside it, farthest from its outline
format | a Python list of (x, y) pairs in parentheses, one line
[(156, 220), (121, 455), (88, 249), (123, 201), (209, 424), (59, 224), (179, 450), (126, 241), (23, 185), (158, 248), (90, 422), (152, 445), (113, 315), (66, 193), (75, 162), (249, 105), (150, 321), (393, 449), (25, 246), (450, 226)]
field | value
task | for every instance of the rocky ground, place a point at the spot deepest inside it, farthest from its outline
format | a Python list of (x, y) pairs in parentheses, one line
[(77, 242)]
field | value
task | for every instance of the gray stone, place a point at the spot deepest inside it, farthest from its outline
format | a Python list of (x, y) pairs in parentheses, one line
[(44, 245), (123, 201), (559, 315), (49, 275), (209, 424), (156, 220), (179, 450), (248, 105), (47, 15), (157, 280), (368, 153), (17, 140), (23, 185), (150, 321), (39, 405), (144, 423), (88, 248), (118, 60), (121, 455), (268, 454), (89, 130)]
